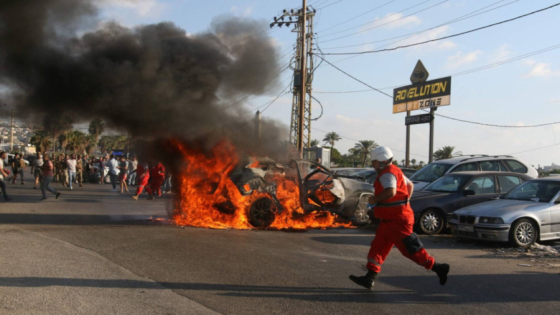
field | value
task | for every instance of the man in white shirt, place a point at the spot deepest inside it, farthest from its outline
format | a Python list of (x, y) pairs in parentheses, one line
[(113, 166), (71, 170)]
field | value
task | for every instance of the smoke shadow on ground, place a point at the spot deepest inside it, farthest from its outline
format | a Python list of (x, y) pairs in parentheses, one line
[(433, 241), (465, 289), (74, 219)]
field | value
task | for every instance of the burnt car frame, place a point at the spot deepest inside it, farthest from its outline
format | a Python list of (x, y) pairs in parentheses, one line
[(347, 196)]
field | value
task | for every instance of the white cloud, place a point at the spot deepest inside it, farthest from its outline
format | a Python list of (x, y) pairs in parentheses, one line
[(540, 69), (393, 21), (554, 101), (460, 59), (429, 35), (500, 54), (142, 7), (242, 11)]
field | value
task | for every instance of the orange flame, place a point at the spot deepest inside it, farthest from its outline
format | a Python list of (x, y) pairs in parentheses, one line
[(208, 198)]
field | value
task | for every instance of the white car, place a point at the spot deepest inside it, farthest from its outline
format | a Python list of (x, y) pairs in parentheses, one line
[(470, 163), (528, 213)]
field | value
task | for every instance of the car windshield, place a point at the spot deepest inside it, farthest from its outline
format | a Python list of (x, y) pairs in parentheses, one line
[(431, 172), (449, 183), (535, 190), (364, 173)]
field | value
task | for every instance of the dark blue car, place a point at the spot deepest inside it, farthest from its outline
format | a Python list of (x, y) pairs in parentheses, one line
[(434, 205)]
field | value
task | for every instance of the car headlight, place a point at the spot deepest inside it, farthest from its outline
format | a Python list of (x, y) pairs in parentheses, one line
[(490, 220)]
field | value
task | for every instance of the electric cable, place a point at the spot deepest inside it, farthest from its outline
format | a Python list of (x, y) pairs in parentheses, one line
[(445, 37), (315, 119), (354, 18)]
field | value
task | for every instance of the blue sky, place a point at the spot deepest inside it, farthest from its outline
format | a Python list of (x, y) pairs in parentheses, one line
[(524, 92)]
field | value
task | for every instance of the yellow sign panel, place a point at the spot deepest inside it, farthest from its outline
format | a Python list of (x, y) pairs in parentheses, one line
[(419, 96)]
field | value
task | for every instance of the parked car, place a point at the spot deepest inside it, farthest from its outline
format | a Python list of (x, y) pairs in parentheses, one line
[(346, 170), (529, 213), (408, 172), (319, 188), (434, 205), (480, 163)]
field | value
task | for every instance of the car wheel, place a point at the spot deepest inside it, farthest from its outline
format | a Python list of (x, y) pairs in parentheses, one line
[(361, 218), (261, 213), (523, 233), (431, 222)]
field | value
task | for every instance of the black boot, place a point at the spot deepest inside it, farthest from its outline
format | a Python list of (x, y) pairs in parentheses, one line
[(366, 281), (441, 270)]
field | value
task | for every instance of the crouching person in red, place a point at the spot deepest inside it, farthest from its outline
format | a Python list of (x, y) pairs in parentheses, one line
[(143, 176), (392, 194)]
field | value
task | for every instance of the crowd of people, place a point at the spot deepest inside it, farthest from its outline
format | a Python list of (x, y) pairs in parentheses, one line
[(70, 171)]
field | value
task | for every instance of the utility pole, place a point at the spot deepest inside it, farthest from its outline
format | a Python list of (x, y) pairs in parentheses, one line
[(258, 127), (12, 134), (300, 123)]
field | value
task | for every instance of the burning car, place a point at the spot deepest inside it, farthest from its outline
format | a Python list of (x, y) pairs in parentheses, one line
[(320, 190)]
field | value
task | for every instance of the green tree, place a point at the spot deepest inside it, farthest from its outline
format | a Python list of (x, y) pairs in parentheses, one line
[(41, 139), (58, 125), (109, 143), (402, 162), (421, 164), (314, 143), (445, 153), (363, 147), (78, 141), (331, 138), (413, 161), (96, 128)]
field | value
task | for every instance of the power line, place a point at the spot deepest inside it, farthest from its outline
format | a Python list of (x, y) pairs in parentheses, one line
[(354, 18), (409, 35), (321, 8), (445, 37), (469, 71), (274, 100), (377, 20), (362, 82), (548, 146)]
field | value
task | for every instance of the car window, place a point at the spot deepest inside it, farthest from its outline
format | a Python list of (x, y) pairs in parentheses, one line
[(539, 191), (503, 168), (466, 167), (448, 183), (431, 172), (516, 167), (508, 183), (491, 166), (482, 185), (369, 175)]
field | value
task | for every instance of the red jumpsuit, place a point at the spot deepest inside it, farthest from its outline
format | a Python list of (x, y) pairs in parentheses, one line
[(397, 220), (157, 173), (143, 179)]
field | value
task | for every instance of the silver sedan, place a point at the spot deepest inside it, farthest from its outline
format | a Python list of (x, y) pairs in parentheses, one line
[(529, 213)]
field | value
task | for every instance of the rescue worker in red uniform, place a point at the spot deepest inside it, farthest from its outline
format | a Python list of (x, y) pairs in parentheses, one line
[(391, 200), (143, 175), (157, 173)]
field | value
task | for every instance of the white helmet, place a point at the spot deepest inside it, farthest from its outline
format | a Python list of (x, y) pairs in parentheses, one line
[(381, 154)]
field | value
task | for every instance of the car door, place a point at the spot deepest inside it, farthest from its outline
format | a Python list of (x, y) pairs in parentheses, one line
[(484, 188)]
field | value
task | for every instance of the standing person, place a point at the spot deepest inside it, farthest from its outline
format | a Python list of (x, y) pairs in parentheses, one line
[(101, 169), (36, 170), (132, 171), (3, 174), (123, 175), (157, 174), (143, 172), (15, 168), (113, 171), (71, 165), (48, 168), (22, 168), (80, 170), (167, 182), (392, 195)]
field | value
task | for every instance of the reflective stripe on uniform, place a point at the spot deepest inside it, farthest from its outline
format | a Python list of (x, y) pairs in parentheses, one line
[(371, 260)]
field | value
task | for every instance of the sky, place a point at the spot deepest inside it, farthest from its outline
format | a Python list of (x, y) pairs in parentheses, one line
[(520, 93)]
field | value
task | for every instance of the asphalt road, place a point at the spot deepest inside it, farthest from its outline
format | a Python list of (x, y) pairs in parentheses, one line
[(96, 252)]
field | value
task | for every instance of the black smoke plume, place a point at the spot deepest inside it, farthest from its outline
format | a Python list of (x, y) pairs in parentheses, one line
[(153, 81)]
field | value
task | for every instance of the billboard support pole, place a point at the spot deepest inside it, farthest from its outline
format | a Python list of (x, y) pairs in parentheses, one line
[(431, 153), (407, 157)]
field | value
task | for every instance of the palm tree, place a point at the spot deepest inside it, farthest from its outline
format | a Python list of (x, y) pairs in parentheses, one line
[(41, 139), (96, 128), (413, 161), (402, 162), (63, 140), (446, 153), (363, 147), (58, 125), (78, 141), (331, 138), (421, 164), (314, 143)]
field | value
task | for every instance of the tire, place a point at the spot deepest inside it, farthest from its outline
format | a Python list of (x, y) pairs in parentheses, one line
[(431, 222), (261, 213), (523, 233), (361, 218)]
